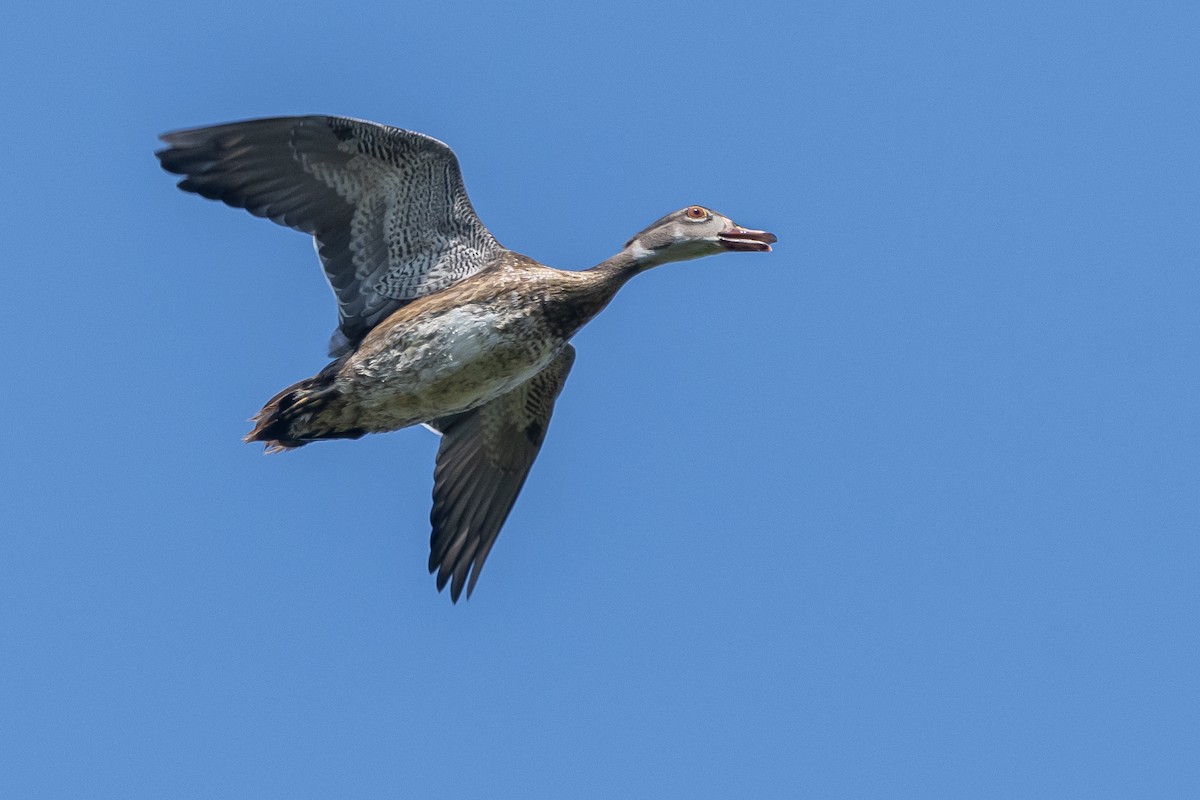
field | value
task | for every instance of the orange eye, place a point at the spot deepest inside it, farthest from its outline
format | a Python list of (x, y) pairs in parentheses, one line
[(696, 212)]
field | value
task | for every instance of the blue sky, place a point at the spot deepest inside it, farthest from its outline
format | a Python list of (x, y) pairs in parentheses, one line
[(907, 508)]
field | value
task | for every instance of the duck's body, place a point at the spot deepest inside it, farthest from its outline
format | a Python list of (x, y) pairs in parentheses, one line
[(443, 353), (438, 323)]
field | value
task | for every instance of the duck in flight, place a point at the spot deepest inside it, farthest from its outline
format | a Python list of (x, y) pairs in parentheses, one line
[(438, 323)]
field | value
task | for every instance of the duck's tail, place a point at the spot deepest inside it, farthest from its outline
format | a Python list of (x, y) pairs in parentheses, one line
[(307, 411)]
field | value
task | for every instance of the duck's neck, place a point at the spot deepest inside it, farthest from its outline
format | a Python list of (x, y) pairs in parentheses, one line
[(583, 295), (623, 266), (610, 275)]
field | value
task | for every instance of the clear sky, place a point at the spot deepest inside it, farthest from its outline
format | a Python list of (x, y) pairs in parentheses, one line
[(907, 508)]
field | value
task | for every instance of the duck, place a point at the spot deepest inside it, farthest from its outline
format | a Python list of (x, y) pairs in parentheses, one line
[(438, 323)]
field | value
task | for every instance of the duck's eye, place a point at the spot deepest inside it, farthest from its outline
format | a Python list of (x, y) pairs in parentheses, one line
[(696, 212)]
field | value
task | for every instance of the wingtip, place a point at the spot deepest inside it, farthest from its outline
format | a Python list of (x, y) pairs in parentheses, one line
[(455, 591)]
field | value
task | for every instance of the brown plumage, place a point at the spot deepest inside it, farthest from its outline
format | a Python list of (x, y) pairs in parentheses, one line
[(438, 323)]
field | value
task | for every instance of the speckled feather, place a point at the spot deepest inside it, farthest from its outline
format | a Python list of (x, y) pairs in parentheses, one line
[(387, 207), (482, 464)]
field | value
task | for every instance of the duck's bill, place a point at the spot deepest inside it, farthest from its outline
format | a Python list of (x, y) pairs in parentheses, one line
[(739, 238)]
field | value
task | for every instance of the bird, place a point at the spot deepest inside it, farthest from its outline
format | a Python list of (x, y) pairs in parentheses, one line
[(438, 323)]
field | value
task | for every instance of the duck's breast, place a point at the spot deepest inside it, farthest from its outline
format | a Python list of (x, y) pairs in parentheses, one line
[(450, 360)]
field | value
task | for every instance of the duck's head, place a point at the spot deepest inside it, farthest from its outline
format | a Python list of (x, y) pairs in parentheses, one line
[(694, 232)]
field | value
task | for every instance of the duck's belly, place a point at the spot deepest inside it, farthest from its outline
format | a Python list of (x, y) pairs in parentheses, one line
[(443, 363)]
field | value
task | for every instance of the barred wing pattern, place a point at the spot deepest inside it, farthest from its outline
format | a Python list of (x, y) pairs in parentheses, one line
[(482, 463), (387, 207)]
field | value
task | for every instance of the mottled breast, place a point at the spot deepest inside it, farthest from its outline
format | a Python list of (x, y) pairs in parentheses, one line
[(446, 360)]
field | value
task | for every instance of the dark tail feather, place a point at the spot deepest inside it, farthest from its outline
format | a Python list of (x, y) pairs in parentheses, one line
[(302, 413)]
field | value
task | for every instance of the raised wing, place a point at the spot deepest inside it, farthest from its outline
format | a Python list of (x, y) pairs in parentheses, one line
[(482, 464), (387, 207)]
